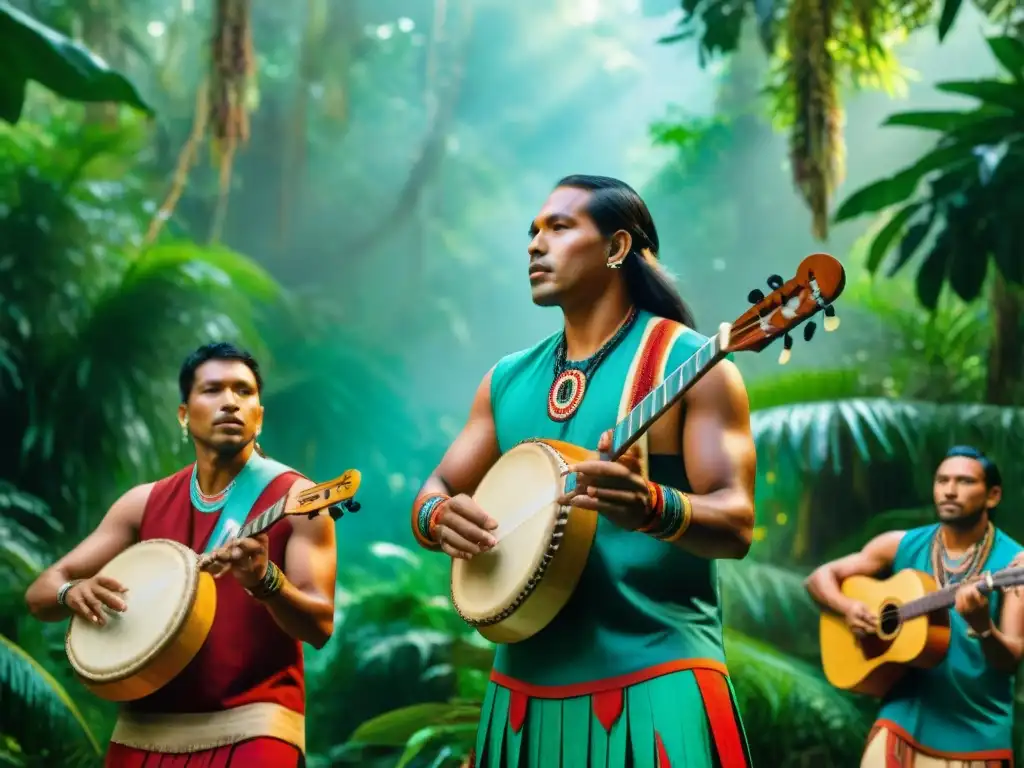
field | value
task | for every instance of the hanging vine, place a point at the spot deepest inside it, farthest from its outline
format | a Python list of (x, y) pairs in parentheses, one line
[(816, 149), (222, 109)]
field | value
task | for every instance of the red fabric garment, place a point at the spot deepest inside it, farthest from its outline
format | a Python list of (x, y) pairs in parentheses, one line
[(246, 658), (255, 753)]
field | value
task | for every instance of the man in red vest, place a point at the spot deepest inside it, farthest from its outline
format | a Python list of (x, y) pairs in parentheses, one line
[(247, 679)]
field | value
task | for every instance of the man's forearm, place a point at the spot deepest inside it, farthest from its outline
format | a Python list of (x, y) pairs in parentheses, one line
[(1002, 651), (302, 616), (826, 591), (721, 525), (41, 597)]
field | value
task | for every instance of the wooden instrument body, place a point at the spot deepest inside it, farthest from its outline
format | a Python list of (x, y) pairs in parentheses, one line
[(171, 607), (512, 592), (873, 664)]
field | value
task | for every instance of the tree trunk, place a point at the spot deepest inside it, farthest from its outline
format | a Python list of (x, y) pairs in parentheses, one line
[(1006, 355)]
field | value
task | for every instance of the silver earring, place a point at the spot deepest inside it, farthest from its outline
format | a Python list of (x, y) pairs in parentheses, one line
[(615, 265), (184, 430)]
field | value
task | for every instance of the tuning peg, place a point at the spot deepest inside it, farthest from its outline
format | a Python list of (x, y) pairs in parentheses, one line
[(809, 330), (787, 345), (352, 506), (831, 321), (774, 282), (755, 296)]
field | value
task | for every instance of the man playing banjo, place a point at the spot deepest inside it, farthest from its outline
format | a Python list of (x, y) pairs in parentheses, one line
[(241, 700), (632, 671)]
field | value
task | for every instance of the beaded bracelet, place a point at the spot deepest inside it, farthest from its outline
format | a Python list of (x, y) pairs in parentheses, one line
[(671, 513), (62, 593), (426, 513), (270, 584)]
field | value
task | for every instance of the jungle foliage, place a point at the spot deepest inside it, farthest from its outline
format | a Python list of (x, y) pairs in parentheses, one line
[(93, 298)]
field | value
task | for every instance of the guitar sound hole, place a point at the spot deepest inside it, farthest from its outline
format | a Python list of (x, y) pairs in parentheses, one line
[(889, 619)]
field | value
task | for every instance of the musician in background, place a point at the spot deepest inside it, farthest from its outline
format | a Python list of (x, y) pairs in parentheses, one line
[(247, 678), (633, 666), (960, 712)]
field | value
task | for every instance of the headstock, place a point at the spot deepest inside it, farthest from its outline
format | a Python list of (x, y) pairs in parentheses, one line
[(819, 281), (335, 496)]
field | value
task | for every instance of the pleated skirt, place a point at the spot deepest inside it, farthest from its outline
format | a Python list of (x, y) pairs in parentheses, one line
[(684, 719)]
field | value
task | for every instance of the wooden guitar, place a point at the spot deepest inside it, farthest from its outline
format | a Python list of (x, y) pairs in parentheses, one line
[(172, 601), (517, 588), (913, 628)]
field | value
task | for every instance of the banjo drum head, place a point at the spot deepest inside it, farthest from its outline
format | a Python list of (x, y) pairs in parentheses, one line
[(519, 492), (161, 577)]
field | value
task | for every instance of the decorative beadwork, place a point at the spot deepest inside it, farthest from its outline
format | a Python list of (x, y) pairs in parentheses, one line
[(570, 378), (671, 513), (950, 570), (202, 501), (271, 583), (427, 513)]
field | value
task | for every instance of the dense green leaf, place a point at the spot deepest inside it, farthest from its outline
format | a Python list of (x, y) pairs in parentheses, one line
[(897, 188), (38, 711), (1009, 51), (395, 729), (1008, 250), (33, 51), (992, 92), (932, 274), (805, 386), (950, 8), (968, 266), (910, 243), (942, 120), (887, 235)]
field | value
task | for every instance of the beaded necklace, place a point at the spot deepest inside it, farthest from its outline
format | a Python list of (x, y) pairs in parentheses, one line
[(570, 382), (207, 503), (953, 570)]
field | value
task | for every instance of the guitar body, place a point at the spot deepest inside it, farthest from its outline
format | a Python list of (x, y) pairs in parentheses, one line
[(873, 664), (515, 590)]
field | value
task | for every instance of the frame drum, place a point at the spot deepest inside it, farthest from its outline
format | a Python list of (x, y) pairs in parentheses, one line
[(516, 589), (171, 605)]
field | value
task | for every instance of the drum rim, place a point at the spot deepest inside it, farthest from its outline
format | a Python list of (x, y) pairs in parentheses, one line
[(550, 549), (179, 618)]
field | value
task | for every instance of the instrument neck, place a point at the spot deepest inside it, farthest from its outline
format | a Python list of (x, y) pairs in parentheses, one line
[(264, 521), (664, 396)]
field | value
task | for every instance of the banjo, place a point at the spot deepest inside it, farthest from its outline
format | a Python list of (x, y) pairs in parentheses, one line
[(514, 590), (174, 600)]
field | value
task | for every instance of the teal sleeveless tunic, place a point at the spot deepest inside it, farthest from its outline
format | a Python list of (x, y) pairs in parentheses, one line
[(645, 619), (962, 705)]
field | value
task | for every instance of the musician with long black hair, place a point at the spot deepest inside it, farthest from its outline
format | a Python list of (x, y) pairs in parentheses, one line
[(632, 670)]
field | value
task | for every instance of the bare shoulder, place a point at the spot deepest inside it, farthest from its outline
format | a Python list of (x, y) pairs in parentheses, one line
[(131, 506), (721, 388), (885, 545), (302, 523)]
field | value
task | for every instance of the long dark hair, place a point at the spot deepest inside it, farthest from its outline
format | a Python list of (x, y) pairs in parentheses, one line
[(615, 205)]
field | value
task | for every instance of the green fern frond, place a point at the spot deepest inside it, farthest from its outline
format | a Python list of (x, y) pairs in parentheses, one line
[(38, 712)]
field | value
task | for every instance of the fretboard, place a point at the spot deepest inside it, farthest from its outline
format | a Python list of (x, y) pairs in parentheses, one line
[(662, 397), (933, 601), (261, 523)]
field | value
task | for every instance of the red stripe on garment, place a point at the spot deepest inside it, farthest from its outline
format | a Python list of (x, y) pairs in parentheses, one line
[(254, 753), (724, 729)]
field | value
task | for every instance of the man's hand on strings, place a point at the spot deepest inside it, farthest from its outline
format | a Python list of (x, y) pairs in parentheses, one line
[(616, 489), (246, 559)]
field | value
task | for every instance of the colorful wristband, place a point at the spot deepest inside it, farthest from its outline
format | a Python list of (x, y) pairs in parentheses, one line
[(271, 584), (426, 513), (671, 513)]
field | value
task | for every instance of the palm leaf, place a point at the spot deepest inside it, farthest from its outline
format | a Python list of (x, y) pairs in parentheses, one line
[(37, 709), (769, 602), (25, 527), (792, 716)]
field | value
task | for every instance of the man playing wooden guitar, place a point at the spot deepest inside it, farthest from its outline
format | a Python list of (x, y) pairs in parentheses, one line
[(632, 671), (240, 702), (955, 709)]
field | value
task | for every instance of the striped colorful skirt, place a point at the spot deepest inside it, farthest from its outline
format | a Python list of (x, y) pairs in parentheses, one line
[(254, 753), (888, 749), (684, 719)]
